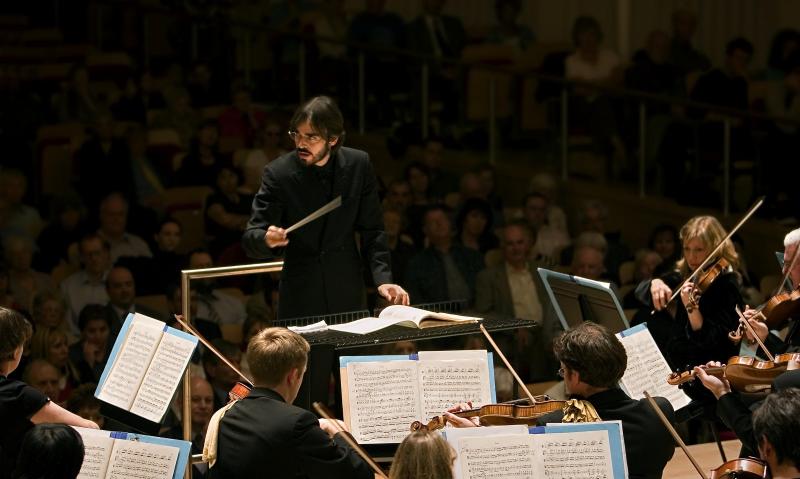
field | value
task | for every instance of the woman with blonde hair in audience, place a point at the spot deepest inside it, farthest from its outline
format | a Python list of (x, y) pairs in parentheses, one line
[(423, 455), (52, 345), (49, 311)]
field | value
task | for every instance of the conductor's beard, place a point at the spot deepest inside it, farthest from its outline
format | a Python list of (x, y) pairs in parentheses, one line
[(310, 158)]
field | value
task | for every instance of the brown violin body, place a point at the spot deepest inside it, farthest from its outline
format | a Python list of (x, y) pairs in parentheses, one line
[(710, 274), (745, 373), (780, 308), (742, 468), (499, 414)]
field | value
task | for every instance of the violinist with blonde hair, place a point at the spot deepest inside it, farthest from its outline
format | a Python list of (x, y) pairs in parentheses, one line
[(423, 455), (693, 329)]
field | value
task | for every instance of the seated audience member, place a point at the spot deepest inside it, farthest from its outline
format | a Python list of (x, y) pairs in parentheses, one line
[(24, 281), (587, 262), (264, 428), (150, 176), (7, 299), (67, 226), (17, 218), (50, 451), (445, 270), (547, 185), (153, 275), (665, 241), (593, 217), (221, 377), (401, 246), (398, 196), (487, 179), (212, 304), (646, 263), (76, 100), (652, 71), (49, 311), (441, 182), (91, 353), (549, 240), (418, 179), (198, 168), (41, 375), (113, 229), (513, 289), (202, 409), (683, 54), (88, 286), (508, 30), (52, 346), (727, 86), (21, 405), (271, 146), (242, 120), (227, 211), (179, 116), (121, 289), (423, 454), (474, 226), (83, 403), (103, 165)]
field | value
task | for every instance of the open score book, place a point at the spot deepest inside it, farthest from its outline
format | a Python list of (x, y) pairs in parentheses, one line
[(118, 455), (145, 367), (403, 316), (383, 395)]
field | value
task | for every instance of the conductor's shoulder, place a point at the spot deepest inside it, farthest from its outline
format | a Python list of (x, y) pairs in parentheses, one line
[(284, 164), (354, 155)]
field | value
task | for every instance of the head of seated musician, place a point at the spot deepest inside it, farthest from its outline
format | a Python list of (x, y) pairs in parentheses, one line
[(593, 362), (264, 429), (775, 426), (423, 454), (50, 450), (792, 342)]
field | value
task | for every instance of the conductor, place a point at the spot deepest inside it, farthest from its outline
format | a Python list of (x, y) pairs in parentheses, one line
[(322, 270)]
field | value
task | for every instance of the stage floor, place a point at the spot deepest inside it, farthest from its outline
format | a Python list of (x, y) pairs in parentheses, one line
[(707, 455)]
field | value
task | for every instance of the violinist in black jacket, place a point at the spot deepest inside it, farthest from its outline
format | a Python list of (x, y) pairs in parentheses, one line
[(322, 265), (264, 436)]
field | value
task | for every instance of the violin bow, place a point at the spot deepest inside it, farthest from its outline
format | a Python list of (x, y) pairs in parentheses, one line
[(508, 365), (323, 411), (788, 271), (206, 343), (719, 246), (675, 435), (752, 332)]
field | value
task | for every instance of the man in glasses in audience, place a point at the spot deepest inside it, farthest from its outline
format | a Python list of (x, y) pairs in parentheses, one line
[(322, 263)]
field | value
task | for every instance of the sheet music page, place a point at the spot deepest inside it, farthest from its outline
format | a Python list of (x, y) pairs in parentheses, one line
[(444, 383), (647, 370), (496, 457), (364, 325), (97, 446), (132, 361), (384, 400), (141, 460), (162, 377), (569, 455)]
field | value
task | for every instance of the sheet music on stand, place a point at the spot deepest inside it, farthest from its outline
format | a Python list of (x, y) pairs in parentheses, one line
[(577, 300)]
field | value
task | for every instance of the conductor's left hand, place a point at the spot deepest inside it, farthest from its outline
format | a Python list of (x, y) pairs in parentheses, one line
[(394, 294)]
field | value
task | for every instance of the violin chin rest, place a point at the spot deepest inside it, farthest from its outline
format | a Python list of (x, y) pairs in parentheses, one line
[(758, 388)]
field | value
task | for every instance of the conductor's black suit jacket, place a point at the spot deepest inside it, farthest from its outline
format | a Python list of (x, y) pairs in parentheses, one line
[(648, 444), (322, 272), (263, 437)]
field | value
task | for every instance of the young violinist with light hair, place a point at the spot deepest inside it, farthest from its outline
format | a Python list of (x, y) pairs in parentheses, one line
[(774, 344), (693, 329), (264, 435), (423, 454)]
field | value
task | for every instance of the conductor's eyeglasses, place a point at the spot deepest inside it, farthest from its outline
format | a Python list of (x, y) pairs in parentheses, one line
[(310, 138)]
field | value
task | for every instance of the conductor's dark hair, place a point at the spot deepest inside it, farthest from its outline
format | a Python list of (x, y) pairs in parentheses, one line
[(324, 116), (15, 331), (594, 352), (50, 451), (777, 421)]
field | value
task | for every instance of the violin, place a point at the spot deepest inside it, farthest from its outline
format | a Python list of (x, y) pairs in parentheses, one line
[(709, 275), (239, 391), (744, 373), (742, 468), (780, 308), (503, 414)]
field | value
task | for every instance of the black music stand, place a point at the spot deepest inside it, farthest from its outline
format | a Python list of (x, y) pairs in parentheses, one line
[(577, 299)]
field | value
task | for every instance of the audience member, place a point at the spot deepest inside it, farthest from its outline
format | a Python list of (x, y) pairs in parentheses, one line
[(727, 86), (24, 281), (652, 71), (227, 211), (202, 401), (88, 286), (398, 196), (199, 166), (103, 165), (150, 176), (440, 182), (50, 451), (444, 270), (242, 120), (179, 116), (52, 345), (221, 377), (17, 218), (646, 262), (587, 262), (49, 311), (6, 298), (423, 454), (216, 306), (113, 229), (418, 178), (401, 246), (683, 54), (270, 146), (592, 218), (665, 241), (121, 290), (783, 47), (547, 185), (508, 31), (41, 375), (66, 227), (549, 241), (91, 353), (474, 226), (76, 101), (83, 403), (204, 89)]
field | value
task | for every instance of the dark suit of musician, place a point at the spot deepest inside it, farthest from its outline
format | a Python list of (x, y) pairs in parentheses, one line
[(322, 272), (263, 437), (648, 444)]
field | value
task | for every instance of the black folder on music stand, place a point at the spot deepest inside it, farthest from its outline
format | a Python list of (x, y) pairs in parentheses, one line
[(577, 299)]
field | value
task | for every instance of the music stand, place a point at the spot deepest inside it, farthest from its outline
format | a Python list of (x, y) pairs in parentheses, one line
[(577, 300)]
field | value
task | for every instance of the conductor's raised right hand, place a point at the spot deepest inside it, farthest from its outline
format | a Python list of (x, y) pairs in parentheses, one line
[(276, 237), (660, 293)]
